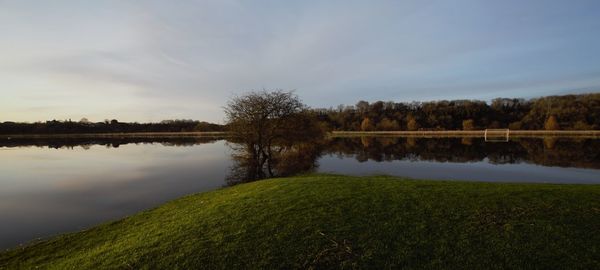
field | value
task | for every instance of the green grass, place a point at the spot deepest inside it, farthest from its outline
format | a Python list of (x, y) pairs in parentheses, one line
[(328, 221)]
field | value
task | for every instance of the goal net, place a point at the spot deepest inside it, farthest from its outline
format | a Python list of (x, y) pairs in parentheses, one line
[(496, 135)]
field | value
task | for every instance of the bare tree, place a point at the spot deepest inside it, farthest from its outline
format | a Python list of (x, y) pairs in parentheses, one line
[(263, 121)]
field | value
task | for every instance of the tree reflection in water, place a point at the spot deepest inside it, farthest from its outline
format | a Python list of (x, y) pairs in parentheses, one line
[(549, 151), (302, 156), (300, 152), (285, 158)]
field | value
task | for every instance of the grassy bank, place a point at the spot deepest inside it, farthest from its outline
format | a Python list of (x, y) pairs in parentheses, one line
[(323, 221)]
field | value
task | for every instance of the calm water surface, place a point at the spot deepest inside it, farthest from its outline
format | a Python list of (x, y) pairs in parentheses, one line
[(51, 187)]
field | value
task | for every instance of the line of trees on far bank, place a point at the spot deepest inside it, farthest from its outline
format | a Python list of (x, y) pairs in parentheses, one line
[(568, 112), (107, 126)]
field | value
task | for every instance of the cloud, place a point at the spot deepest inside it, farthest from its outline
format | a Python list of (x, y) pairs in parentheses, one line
[(154, 60)]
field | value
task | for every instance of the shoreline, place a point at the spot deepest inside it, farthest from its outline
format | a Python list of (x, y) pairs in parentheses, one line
[(473, 133), (441, 133), (117, 135)]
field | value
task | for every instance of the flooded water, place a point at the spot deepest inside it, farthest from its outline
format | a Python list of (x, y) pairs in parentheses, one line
[(49, 187)]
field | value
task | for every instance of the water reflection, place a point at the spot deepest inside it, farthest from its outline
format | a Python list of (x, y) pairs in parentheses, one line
[(282, 158), (110, 142), (50, 186), (551, 151), (286, 157), (46, 191)]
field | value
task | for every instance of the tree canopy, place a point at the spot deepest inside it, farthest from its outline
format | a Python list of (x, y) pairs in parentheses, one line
[(270, 128), (570, 112), (107, 126)]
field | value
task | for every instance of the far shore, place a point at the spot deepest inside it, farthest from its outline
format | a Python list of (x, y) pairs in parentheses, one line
[(473, 133), (421, 133), (118, 135)]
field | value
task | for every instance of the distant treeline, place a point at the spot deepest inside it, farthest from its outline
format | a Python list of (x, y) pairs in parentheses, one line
[(568, 112), (112, 126), (108, 142)]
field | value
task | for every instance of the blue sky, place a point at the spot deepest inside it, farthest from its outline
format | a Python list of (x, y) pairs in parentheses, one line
[(154, 60)]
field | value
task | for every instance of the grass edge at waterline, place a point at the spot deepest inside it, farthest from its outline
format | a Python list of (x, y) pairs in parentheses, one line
[(324, 221)]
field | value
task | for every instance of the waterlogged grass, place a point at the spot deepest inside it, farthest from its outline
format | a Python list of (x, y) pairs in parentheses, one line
[(327, 221)]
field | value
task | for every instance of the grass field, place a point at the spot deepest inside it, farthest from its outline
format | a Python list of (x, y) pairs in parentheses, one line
[(328, 221)]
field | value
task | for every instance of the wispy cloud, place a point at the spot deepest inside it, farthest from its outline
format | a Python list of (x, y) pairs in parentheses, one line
[(147, 61)]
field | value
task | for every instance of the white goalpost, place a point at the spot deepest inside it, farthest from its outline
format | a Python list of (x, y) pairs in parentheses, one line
[(496, 135)]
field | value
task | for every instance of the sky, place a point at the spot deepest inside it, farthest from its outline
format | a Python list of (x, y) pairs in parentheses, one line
[(154, 60)]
